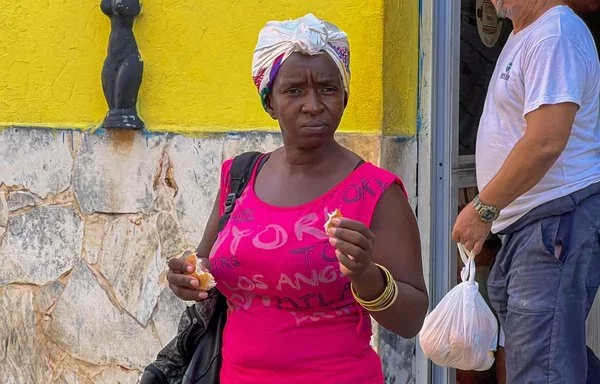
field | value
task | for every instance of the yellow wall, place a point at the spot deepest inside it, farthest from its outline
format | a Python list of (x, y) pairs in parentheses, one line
[(400, 67), (197, 62)]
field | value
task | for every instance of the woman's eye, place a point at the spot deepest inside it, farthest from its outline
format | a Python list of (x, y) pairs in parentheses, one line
[(330, 89), (293, 91)]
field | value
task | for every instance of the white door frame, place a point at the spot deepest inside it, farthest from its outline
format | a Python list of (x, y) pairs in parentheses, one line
[(437, 186)]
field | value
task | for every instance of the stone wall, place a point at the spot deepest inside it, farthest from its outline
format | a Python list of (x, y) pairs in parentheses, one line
[(87, 224)]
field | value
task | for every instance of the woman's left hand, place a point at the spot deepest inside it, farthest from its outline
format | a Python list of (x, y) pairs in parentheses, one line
[(354, 244)]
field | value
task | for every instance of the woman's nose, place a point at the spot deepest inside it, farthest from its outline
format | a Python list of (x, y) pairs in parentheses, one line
[(313, 103)]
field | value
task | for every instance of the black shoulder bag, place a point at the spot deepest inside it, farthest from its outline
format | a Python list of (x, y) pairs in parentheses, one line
[(194, 355)]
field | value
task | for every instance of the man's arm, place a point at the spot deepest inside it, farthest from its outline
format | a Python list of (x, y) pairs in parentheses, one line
[(546, 136)]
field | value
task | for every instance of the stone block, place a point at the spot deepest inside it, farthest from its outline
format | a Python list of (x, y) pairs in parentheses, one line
[(167, 314), (399, 155), (397, 355), (3, 213), (21, 199), (131, 262), (37, 159), (48, 295), (87, 325), (172, 240), (22, 355), (116, 375), (40, 245), (196, 167), (115, 172), (366, 146), (94, 230), (251, 141)]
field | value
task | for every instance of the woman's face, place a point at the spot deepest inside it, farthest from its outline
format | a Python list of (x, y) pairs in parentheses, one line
[(308, 99)]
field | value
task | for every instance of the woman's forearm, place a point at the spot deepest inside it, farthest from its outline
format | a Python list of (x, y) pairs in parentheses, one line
[(405, 316)]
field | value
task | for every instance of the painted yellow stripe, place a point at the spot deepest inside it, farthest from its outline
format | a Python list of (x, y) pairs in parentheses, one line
[(401, 67), (197, 62)]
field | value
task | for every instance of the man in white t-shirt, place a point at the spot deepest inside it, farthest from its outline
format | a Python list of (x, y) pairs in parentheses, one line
[(538, 173)]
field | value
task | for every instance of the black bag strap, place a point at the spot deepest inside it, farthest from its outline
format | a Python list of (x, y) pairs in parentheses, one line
[(240, 173), (361, 162)]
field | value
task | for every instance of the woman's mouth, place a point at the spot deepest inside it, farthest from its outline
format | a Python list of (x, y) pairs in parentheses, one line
[(315, 125)]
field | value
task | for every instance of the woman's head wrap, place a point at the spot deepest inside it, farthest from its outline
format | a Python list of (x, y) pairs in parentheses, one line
[(307, 35)]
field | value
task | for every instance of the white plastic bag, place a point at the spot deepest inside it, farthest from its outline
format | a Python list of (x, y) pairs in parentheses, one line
[(461, 332)]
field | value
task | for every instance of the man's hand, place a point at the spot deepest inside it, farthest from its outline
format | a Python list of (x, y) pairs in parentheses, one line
[(470, 230)]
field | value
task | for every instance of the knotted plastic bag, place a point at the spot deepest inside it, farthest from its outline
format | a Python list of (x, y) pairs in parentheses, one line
[(461, 332)]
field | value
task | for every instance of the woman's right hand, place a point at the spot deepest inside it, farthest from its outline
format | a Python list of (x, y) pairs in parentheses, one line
[(184, 285)]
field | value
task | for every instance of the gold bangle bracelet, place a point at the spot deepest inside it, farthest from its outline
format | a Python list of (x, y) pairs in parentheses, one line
[(384, 303), (385, 295), (387, 298), (390, 303)]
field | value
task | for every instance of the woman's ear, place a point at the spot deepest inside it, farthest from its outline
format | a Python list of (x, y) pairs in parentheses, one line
[(345, 99), (269, 108)]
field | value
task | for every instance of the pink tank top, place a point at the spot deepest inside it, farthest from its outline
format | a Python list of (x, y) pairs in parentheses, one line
[(292, 318)]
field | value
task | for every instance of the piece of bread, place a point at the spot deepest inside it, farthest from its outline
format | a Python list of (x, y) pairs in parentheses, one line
[(332, 215), (204, 277)]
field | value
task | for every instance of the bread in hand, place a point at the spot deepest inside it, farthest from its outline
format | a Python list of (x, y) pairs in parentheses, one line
[(332, 215), (204, 277)]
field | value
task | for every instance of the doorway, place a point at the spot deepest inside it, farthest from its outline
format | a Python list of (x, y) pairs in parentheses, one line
[(467, 40), (482, 37)]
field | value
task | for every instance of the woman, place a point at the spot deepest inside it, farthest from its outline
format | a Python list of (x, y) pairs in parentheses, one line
[(299, 298)]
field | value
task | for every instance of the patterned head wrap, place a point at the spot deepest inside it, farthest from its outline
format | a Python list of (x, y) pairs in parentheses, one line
[(307, 35)]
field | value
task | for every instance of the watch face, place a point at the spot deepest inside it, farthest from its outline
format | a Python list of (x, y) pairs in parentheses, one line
[(488, 214)]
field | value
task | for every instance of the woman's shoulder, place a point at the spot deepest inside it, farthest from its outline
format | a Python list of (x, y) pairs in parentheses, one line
[(382, 176)]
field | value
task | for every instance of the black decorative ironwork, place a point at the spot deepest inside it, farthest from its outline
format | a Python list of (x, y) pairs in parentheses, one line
[(123, 67)]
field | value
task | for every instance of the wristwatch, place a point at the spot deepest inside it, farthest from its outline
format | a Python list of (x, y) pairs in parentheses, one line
[(487, 213)]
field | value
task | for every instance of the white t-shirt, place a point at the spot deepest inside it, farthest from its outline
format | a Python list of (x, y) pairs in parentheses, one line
[(553, 60)]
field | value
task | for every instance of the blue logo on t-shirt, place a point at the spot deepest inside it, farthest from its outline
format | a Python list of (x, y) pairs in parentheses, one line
[(506, 74)]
